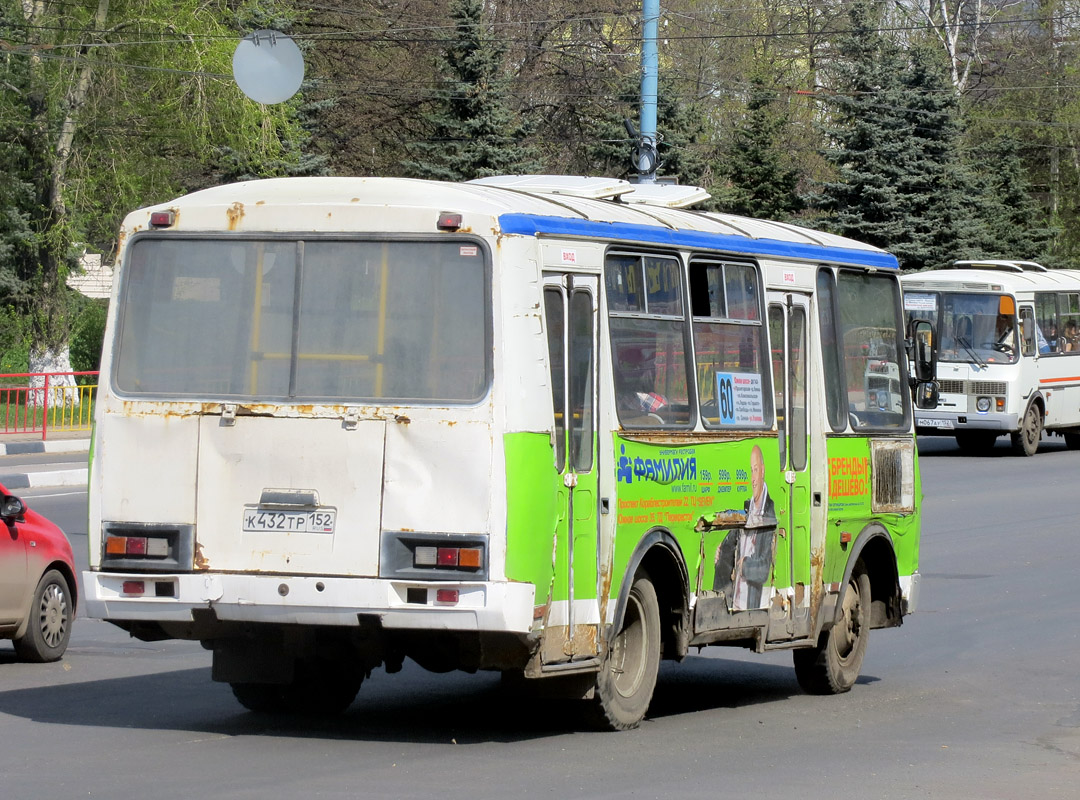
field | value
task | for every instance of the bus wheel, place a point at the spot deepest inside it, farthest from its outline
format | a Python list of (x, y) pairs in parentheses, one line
[(1026, 441), (625, 683), (833, 665), (976, 441)]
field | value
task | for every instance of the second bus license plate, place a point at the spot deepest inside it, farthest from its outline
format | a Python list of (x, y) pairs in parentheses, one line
[(320, 521), (935, 423)]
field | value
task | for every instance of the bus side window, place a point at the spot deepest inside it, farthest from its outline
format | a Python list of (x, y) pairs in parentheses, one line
[(1027, 331), (1046, 317), (729, 344)]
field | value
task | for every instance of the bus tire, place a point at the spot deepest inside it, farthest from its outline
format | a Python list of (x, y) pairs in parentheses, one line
[(1025, 442), (627, 678), (833, 665)]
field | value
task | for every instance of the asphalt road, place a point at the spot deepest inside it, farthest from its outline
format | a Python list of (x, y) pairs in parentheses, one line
[(976, 696)]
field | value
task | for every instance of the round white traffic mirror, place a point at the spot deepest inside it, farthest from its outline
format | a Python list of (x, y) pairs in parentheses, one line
[(268, 67)]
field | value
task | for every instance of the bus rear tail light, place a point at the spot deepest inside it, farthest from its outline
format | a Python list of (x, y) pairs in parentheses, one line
[(447, 596), (150, 546), (449, 557)]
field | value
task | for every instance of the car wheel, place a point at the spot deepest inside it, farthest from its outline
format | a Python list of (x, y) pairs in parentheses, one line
[(49, 628)]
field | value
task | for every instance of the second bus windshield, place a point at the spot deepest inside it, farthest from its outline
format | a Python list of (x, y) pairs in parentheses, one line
[(971, 327)]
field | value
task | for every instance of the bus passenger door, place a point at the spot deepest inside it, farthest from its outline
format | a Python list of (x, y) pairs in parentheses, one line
[(790, 618), (573, 622)]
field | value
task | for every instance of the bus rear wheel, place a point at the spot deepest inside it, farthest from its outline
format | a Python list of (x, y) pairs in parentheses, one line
[(1026, 441), (833, 665), (625, 683)]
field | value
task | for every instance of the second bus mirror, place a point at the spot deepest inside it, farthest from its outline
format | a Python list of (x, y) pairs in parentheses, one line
[(926, 394), (924, 355)]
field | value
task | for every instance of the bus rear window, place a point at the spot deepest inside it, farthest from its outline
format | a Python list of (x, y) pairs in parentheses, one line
[(336, 320)]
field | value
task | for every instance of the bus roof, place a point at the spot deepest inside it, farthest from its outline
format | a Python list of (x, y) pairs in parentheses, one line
[(346, 204), (960, 279)]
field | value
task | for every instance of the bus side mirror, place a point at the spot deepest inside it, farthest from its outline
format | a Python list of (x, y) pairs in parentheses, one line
[(922, 352), (926, 394)]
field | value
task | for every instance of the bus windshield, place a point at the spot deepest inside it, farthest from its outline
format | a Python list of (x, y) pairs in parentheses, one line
[(284, 319), (971, 327)]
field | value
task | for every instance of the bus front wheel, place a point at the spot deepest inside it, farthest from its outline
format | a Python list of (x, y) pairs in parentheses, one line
[(1026, 441), (625, 683), (833, 665)]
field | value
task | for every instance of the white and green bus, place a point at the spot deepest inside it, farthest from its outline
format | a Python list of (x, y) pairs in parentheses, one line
[(557, 427)]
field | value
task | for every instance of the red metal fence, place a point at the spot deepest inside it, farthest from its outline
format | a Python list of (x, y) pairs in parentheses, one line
[(40, 402)]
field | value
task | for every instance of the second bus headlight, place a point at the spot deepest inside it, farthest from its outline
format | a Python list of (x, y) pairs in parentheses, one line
[(982, 405)]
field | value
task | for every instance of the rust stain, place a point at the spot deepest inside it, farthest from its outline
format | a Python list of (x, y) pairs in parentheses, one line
[(201, 561), (584, 641), (401, 419), (817, 589), (605, 590), (800, 593), (261, 203), (235, 213)]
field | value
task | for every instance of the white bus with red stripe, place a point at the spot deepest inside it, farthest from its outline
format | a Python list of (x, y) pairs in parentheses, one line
[(1009, 351)]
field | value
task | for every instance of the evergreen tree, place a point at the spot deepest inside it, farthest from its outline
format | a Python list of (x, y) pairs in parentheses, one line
[(760, 179), (686, 148), (899, 183), (473, 129), (1011, 221)]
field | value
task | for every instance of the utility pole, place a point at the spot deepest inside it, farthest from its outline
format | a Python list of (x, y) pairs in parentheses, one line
[(646, 156)]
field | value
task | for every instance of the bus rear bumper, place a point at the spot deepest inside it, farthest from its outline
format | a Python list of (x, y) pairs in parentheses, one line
[(294, 600)]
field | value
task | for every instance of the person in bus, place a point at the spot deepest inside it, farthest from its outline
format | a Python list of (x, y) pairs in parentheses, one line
[(1072, 337), (635, 383)]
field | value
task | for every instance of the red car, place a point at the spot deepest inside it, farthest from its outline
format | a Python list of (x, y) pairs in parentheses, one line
[(37, 582)]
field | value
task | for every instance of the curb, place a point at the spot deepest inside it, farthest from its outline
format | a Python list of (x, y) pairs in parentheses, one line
[(22, 448), (55, 446), (37, 480)]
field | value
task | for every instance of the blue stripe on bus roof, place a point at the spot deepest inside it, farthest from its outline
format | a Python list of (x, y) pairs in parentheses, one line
[(533, 224)]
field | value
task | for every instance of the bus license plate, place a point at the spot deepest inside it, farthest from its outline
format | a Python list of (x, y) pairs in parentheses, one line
[(934, 423), (320, 521)]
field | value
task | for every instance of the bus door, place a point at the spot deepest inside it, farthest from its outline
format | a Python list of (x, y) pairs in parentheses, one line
[(789, 618), (570, 312)]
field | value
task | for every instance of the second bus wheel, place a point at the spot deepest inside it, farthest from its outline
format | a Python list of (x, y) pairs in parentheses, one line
[(1025, 442), (625, 683), (833, 665)]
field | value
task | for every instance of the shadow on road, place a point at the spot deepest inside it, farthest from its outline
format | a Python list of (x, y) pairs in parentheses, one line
[(946, 447), (413, 706)]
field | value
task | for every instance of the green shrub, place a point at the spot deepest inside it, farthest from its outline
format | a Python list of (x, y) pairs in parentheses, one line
[(87, 335)]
